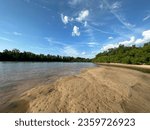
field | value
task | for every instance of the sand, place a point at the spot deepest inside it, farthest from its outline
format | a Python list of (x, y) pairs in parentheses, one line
[(100, 89), (126, 65)]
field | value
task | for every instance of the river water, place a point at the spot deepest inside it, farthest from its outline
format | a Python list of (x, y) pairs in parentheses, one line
[(16, 77)]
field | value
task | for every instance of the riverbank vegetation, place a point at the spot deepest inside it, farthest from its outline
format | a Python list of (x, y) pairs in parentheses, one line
[(16, 55), (126, 55)]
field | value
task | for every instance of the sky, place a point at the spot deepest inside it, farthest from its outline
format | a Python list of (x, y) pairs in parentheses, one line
[(79, 28)]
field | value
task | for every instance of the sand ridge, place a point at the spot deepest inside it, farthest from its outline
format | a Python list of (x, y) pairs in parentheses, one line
[(100, 89)]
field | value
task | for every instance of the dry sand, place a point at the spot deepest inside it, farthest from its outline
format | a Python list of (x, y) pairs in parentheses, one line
[(100, 89), (126, 65)]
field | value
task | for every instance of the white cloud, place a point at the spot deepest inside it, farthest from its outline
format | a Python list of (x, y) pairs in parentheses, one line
[(52, 41), (97, 23), (17, 33), (146, 18), (48, 39), (128, 42), (66, 19), (99, 30), (75, 31), (83, 53), (95, 52), (81, 18), (92, 44), (146, 38), (82, 15), (70, 51), (6, 39), (123, 21), (110, 38), (46, 8), (85, 24), (13, 33), (116, 5), (132, 41), (106, 47), (114, 9)]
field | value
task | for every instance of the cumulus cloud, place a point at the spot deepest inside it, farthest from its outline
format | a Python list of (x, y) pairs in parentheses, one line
[(81, 18), (146, 38), (129, 42), (132, 41), (75, 31), (82, 15), (108, 46), (65, 19)]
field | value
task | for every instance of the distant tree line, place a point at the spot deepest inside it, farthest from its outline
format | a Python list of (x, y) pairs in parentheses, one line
[(16, 55), (127, 55)]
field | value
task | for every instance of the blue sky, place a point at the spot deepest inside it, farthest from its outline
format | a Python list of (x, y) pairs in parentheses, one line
[(73, 27)]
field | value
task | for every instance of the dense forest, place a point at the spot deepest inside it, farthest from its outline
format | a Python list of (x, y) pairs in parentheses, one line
[(126, 55), (122, 54), (16, 55)]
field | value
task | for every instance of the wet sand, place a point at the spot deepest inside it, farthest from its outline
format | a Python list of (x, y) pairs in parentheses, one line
[(99, 89)]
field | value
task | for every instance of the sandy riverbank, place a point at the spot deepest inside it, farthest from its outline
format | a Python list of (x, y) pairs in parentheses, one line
[(126, 65), (100, 89)]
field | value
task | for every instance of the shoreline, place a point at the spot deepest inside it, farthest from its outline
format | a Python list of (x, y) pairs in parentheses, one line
[(142, 68), (18, 81), (98, 89)]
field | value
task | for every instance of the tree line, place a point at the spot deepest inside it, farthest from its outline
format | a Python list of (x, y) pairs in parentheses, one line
[(16, 55), (124, 54)]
